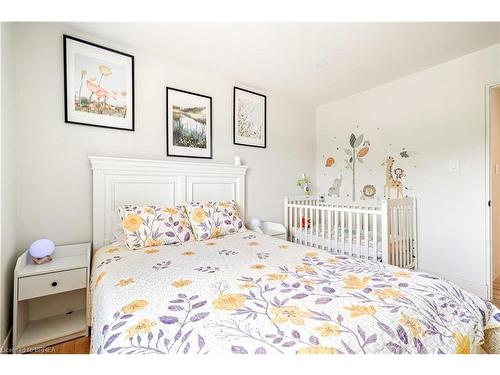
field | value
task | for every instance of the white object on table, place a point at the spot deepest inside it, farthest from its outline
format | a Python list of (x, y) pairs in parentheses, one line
[(237, 160), (50, 299), (274, 229)]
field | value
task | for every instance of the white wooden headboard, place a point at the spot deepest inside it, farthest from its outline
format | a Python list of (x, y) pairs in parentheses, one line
[(118, 181)]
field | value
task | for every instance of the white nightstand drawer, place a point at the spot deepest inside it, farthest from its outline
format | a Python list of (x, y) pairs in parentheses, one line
[(51, 283)]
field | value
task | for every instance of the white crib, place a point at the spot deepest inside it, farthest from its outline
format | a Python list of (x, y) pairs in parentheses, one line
[(385, 231)]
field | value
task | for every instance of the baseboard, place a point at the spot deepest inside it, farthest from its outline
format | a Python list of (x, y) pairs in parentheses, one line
[(480, 290), (5, 344)]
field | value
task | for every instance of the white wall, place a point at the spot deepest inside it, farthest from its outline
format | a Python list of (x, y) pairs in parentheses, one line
[(440, 114), (54, 177), (7, 178)]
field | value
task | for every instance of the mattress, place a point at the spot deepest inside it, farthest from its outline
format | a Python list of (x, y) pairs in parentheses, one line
[(251, 293)]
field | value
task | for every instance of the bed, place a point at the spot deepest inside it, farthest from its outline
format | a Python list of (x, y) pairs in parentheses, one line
[(252, 293)]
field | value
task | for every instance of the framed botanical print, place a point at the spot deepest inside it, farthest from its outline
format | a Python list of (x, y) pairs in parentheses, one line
[(249, 118), (189, 124), (98, 85)]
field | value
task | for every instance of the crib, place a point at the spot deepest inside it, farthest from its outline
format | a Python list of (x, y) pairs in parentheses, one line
[(385, 231)]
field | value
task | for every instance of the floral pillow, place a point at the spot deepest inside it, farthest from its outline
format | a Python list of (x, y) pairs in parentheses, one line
[(154, 226), (214, 219)]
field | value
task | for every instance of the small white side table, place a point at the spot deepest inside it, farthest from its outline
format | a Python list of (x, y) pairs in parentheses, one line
[(50, 299), (273, 229)]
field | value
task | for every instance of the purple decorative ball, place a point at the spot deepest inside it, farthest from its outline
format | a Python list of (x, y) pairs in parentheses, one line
[(41, 248)]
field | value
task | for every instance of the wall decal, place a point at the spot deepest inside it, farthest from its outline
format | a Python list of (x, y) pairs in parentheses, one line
[(399, 173), (354, 153), (335, 188), (368, 192), (330, 162), (406, 154), (391, 182)]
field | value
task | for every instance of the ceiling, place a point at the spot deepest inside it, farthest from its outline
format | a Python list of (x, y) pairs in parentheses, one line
[(314, 62)]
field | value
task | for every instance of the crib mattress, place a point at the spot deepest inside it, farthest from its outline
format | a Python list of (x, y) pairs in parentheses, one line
[(339, 246)]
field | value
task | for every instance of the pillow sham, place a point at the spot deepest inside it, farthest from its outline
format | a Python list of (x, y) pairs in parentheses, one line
[(214, 219), (154, 226)]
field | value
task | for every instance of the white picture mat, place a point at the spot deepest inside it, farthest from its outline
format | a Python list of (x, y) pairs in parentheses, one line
[(75, 47), (258, 117), (184, 99)]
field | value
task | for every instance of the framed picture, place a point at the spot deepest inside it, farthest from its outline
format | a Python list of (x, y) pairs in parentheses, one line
[(189, 124), (98, 85), (249, 118)]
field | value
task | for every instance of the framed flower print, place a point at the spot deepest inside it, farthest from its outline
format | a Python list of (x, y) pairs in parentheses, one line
[(98, 85), (249, 118), (189, 124)]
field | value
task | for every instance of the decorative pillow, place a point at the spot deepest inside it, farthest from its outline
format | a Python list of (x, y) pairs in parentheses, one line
[(154, 226), (214, 219)]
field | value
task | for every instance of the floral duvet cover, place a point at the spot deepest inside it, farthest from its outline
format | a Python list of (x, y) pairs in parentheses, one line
[(250, 293)]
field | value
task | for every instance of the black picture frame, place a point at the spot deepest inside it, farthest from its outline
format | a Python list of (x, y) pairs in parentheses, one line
[(66, 103), (168, 124), (235, 88)]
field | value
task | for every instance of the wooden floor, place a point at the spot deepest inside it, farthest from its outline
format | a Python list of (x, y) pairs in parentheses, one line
[(80, 345), (496, 292)]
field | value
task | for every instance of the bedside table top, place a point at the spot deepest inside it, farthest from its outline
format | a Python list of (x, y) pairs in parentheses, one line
[(273, 229), (64, 258)]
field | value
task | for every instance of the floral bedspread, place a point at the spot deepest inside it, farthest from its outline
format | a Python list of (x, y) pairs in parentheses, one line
[(250, 293)]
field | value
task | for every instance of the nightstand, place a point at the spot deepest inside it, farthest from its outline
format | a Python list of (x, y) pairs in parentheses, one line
[(50, 299), (274, 229)]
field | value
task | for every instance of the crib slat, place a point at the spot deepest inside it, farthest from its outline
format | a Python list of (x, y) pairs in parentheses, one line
[(358, 235), (342, 231), (306, 237), (335, 244), (375, 238), (349, 234), (401, 249), (330, 247), (295, 214), (405, 236), (302, 227), (395, 233), (408, 236), (311, 226), (323, 228), (316, 224), (366, 229)]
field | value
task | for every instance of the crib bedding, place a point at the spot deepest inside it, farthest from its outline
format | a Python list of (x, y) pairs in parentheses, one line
[(301, 234), (251, 293)]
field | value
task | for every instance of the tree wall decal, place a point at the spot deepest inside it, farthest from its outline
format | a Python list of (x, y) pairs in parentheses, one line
[(355, 153)]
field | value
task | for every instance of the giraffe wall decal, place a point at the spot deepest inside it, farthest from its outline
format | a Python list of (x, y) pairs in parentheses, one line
[(390, 181)]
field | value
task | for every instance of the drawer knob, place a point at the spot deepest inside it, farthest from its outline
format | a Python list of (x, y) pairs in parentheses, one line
[(54, 283)]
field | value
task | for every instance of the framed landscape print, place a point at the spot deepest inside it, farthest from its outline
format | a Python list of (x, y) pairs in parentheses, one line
[(249, 118), (98, 85), (189, 124)]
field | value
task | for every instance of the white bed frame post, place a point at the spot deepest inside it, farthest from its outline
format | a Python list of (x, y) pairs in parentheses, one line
[(385, 229)]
